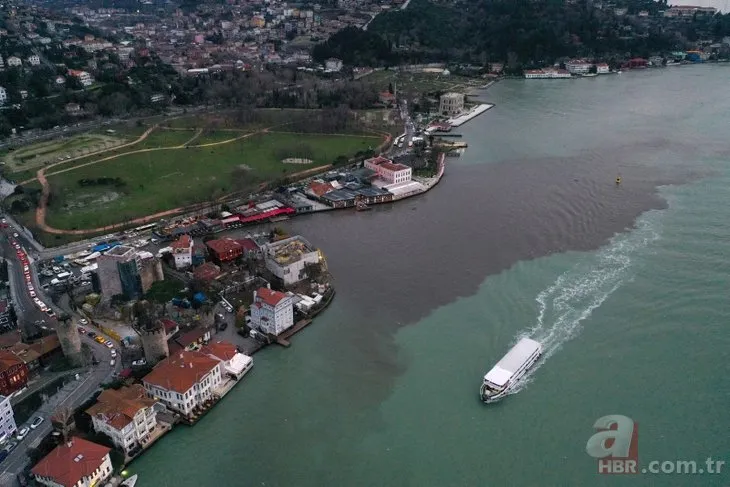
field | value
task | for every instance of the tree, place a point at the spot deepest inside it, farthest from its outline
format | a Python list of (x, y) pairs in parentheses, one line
[(18, 189), (63, 421)]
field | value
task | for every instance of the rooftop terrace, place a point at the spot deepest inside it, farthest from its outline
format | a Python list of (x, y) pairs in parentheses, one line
[(289, 250)]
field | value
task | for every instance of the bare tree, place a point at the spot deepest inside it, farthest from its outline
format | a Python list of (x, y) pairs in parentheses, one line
[(63, 416)]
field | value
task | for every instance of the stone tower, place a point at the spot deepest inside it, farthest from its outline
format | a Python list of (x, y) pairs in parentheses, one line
[(70, 340), (154, 342)]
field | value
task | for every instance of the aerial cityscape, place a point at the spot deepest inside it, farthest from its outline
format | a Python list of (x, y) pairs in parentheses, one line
[(439, 228)]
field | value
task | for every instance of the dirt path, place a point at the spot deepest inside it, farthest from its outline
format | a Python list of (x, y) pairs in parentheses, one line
[(198, 133)]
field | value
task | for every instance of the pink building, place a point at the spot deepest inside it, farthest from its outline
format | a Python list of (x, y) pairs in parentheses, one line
[(389, 171)]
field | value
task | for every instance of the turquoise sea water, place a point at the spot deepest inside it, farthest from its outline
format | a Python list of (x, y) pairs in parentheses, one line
[(383, 388)]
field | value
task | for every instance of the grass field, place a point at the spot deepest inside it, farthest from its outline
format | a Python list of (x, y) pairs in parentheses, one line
[(165, 179), (423, 82)]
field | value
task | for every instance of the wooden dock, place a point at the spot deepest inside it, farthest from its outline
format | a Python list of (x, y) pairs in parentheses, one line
[(283, 339)]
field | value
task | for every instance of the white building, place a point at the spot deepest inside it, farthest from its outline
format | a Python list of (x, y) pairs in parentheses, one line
[(185, 381), (182, 251), (7, 419), (34, 60), (235, 363), (126, 415), (602, 68), (547, 74), (451, 104), (272, 312), (14, 61), (389, 171), (78, 463), (60, 80), (3, 95), (287, 259), (84, 78), (333, 65), (578, 67)]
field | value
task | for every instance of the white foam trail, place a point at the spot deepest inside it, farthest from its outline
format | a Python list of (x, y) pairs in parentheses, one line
[(577, 292)]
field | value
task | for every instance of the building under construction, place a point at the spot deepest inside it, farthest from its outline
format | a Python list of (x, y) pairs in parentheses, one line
[(287, 259)]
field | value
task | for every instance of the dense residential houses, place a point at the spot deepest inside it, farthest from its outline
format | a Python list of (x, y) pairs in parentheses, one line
[(126, 415), (77, 463)]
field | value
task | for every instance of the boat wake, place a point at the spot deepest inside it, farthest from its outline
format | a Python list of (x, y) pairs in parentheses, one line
[(575, 294)]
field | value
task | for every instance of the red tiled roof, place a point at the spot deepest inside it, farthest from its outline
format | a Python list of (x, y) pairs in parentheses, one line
[(46, 344), (223, 246), (179, 372), (182, 243), (67, 464), (379, 160), (9, 339), (221, 350), (169, 325), (389, 166), (248, 244), (320, 189), (207, 272), (269, 297), (190, 337), (118, 407), (7, 360)]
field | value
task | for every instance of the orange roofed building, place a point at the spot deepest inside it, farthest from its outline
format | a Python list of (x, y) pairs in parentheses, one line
[(77, 463), (126, 415), (185, 381)]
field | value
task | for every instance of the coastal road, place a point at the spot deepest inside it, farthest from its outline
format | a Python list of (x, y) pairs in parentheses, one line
[(74, 393)]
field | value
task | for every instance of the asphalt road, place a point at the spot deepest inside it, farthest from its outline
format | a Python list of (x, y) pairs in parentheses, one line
[(74, 393)]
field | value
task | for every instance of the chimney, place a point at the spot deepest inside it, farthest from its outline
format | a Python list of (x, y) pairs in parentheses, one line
[(268, 285)]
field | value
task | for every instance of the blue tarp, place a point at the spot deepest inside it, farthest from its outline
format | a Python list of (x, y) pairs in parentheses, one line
[(200, 297)]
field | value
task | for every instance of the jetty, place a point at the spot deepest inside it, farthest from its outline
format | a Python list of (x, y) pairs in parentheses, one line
[(472, 113), (283, 339)]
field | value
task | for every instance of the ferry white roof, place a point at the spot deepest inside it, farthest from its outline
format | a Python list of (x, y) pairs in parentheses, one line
[(511, 363)]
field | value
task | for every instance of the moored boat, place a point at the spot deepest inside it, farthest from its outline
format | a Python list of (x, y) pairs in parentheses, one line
[(129, 482), (504, 377)]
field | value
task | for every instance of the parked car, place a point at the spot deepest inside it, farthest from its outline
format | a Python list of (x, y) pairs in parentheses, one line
[(81, 329), (32, 294), (139, 363), (114, 353), (99, 339), (91, 334), (10, 446), (112, 362), (83, 321), (37, 422), (109, 344), (15, 235), (22, 433)]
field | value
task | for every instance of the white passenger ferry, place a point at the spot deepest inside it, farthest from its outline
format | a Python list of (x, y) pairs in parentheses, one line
[(504, 376)]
